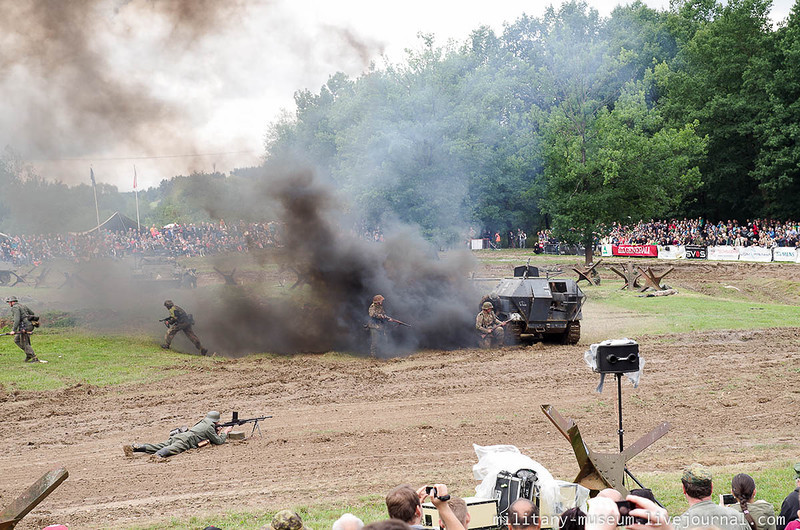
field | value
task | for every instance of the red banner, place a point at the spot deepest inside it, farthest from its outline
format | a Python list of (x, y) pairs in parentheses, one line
[(635, 251)]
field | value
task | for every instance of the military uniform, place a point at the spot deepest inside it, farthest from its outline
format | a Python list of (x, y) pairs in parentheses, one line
[(183, 441), (179, 321), (377, 327), (483, 323), (20, 314)]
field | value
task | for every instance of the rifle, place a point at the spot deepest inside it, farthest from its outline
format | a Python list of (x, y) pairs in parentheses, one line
[(164, 320), (390, 319), (500, 325), (235, 421)]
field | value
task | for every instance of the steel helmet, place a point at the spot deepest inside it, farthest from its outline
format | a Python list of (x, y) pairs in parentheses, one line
[(168, 303), (213, 415), (11, 299), (487, 305), (377, 299)]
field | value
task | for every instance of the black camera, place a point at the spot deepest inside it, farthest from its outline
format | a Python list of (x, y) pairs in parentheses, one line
[(617, 359), (727, 498), (625, 518), (430, 490)]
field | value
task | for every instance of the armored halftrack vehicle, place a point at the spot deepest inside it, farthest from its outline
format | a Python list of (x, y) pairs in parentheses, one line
[(538, 308)]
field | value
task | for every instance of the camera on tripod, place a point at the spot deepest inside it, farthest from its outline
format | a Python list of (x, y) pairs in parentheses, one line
[(615, 357)]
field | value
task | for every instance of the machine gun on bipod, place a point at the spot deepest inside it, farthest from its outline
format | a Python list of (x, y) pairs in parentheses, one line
[(235, 421)]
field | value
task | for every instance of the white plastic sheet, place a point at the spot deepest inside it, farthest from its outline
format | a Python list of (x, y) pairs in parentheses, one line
[(590, 356)]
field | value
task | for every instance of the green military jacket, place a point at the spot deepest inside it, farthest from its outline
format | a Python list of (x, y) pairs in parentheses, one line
[(20, 314), (376, 316), (763, 514), (203, 430), (178, 316), (484, 320), (707, 513)]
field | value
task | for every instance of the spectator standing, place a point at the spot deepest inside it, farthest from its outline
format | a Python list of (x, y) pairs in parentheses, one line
[(405, 504), (697, 488), (791, 504), (348, 521), (760, 515), (523, 515)]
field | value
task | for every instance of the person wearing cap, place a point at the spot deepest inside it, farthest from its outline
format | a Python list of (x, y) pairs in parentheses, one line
[(490, 328), (377, 326), (177, 321), (206, 430), (22, 328), (697, 488), (285, 520), (791, 504)]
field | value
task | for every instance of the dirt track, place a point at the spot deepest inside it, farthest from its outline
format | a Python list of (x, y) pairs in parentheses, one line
[(344, 428)]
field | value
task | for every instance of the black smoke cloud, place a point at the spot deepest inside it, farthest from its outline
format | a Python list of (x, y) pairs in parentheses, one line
[(342, 273)]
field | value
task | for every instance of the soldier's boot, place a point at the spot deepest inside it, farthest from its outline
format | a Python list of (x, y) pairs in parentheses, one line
[(128, 450), (203, 351), (165, 346)]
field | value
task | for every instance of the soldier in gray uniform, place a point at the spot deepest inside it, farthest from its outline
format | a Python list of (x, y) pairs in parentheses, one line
[(205, 429), (177, 321), (23, 327)]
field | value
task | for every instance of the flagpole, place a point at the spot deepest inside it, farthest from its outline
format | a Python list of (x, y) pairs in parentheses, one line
[(136, 191), (94, 187)]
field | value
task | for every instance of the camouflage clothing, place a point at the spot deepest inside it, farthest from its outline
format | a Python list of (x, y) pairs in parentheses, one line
[(377, 329), (489, 330), (179, 321), (285, 520), (20, 313), (178, 443)]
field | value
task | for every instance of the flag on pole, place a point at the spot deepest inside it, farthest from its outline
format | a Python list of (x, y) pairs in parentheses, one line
[(134, 177), (91, 176)]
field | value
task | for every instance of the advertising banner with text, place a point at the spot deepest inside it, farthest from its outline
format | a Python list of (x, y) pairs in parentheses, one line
[(605, 251), (696, 252), (784, 254), (755, 254), (724, 253), (671, 252), (635, 251)]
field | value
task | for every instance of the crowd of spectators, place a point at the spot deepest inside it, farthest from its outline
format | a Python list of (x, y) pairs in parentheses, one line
[(172, 240), (766, 233)]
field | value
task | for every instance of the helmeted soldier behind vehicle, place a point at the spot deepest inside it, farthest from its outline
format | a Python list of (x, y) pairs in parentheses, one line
[(377, 326), (490, 328), (23, 319), (179, 320), (205, 429)]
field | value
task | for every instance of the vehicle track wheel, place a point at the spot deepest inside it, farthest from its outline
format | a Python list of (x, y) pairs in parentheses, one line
[(573, 333)]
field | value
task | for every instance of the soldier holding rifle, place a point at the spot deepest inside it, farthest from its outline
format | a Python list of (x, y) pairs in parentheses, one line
[(23, 327), (178, 320), (377, 325), (490, 328)]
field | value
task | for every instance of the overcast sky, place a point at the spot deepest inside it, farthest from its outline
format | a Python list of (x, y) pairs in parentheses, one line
[(181, 85)]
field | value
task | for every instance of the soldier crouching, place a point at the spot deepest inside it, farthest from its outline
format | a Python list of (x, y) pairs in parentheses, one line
[(490, 328)]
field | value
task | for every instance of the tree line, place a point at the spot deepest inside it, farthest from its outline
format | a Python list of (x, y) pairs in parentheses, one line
[(568, 121)]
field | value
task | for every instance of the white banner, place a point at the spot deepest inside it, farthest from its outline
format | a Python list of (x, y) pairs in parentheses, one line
[(784, 254), (755, 254), (476, 244), (724, 253), (605, 251), (671, 252)]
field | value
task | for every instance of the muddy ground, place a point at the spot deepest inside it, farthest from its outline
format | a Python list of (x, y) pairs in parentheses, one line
[(345, 428)]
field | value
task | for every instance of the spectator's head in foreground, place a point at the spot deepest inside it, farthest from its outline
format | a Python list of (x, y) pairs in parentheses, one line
[(389, 524), (523, 515), (403, 503), (696, 480), (743, 488), (459, 507), (285, 520), (646, 493), (572, 519), (348, 521)]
